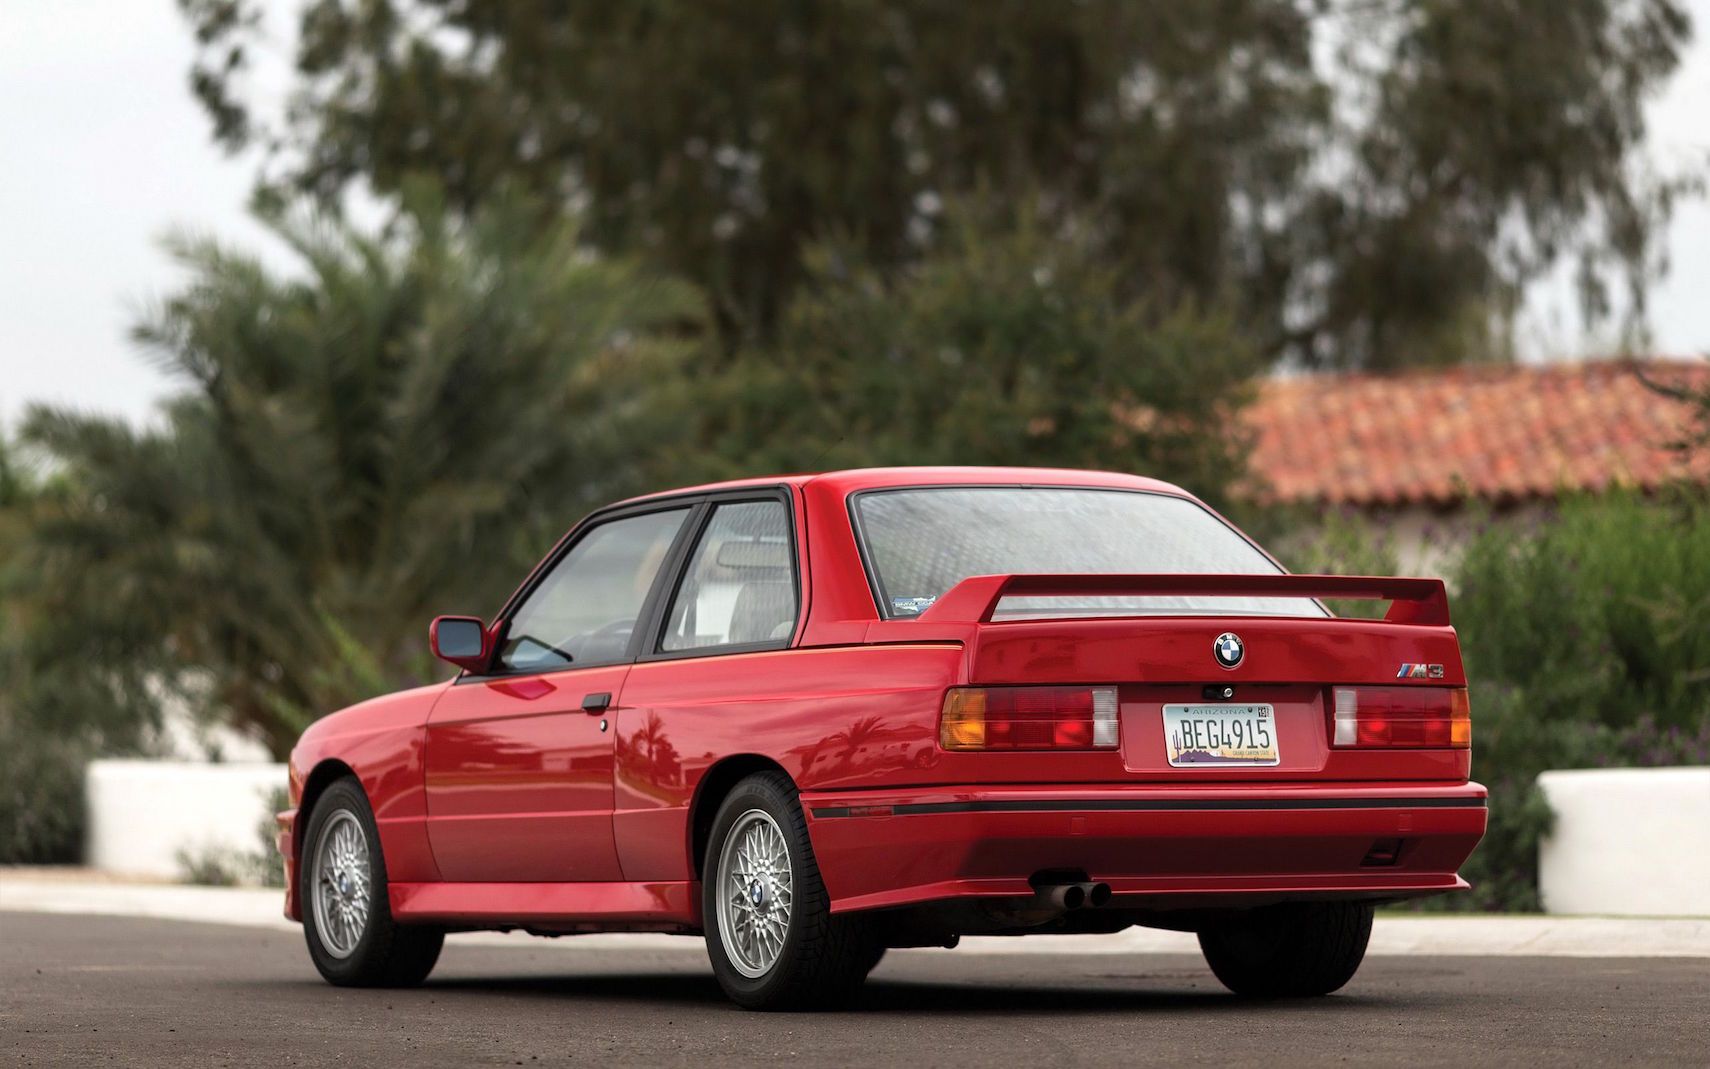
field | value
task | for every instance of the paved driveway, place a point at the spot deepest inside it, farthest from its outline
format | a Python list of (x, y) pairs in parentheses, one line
[(98, 990)]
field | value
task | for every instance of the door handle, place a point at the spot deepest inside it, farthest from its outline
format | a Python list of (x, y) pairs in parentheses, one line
[(595, 704)]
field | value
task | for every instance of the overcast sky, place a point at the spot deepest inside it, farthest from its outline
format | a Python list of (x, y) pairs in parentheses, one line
[(105, 150)]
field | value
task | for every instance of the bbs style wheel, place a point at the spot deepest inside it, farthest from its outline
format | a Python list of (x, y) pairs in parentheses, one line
[(772, 939), (353, 940)]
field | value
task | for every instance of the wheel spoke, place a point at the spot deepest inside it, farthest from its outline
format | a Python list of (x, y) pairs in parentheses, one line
[(755, 907), (343, 884)]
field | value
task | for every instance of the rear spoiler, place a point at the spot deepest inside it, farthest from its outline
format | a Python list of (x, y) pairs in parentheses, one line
[(1413, 601)]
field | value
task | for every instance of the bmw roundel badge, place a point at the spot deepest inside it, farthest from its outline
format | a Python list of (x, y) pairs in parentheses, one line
[(1228, 649)]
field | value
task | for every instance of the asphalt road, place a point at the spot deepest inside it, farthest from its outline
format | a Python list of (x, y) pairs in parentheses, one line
[(79, 990)]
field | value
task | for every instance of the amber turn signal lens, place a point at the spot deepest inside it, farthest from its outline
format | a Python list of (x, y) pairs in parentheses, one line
[(1029, 718), (963, 723), (1460, 719)]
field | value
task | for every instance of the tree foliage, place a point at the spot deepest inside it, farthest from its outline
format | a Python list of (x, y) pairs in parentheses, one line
[(1009, 343), (1364, 182), (398, 428), (41, 766)]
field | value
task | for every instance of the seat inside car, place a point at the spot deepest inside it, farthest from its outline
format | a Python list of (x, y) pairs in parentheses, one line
[(765, 610)]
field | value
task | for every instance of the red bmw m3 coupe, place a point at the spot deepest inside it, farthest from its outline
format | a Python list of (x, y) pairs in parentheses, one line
[(819, 716)]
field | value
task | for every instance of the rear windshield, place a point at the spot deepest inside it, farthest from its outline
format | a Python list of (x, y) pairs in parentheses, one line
[(921, 542)]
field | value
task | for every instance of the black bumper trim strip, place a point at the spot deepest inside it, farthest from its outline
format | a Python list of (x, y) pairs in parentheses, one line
[(1152, 805)]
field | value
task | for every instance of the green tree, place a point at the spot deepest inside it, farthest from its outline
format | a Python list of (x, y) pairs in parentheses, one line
[(1010, 343), (398, 427), (41, 766), (1362, 182)]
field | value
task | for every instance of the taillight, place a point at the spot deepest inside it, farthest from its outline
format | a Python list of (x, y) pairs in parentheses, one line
[(1402, 717), (1028, 718)]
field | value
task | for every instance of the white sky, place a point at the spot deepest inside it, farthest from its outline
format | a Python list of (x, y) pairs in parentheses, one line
[(106, 150)]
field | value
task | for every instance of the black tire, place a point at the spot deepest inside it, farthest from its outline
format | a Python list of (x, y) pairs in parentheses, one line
[(386, 954), (1297, 950), (823, 958)]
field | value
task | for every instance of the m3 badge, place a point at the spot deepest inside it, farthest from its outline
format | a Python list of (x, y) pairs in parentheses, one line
[(1419, 671)]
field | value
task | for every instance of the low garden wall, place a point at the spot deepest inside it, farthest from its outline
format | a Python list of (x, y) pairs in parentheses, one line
[(145, 817), (1632, 841)]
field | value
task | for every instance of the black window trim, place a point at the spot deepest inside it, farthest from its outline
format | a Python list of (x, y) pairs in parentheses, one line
[(650, 622), (876, 588), (572, 538), (654, 651)]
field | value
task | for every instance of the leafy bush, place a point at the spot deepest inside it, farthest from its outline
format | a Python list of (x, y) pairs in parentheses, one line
[(42, 813), (1601, 613), (1586, 636), (211, 866), (1587, 644)]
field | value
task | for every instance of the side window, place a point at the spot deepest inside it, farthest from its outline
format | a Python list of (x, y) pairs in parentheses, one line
[(740, 586), (583, 613)]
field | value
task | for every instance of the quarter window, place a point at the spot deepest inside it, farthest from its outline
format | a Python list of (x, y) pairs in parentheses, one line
[(740, 586), (584, 612)]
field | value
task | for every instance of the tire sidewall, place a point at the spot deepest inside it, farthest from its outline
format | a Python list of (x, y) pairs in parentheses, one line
[(752, 794), (343, 796)]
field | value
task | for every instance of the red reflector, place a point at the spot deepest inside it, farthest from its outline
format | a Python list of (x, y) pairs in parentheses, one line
[(1028, 718), (1401, 718), (869, 810)]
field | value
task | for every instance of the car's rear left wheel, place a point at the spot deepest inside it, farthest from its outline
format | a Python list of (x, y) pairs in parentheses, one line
[(1293, 950), (771, 936), (353, 940)]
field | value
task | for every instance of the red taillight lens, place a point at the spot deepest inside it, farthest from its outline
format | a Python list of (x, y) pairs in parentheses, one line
[(1402, 717), (1028, 718)]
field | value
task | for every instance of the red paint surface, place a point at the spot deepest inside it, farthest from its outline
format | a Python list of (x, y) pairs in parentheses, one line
[(501, 802)]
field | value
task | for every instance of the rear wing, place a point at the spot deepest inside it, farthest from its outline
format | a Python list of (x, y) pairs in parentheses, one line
[(1413, 601)]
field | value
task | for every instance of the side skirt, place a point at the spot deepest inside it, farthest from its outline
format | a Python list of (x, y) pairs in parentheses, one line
[(551, 907)]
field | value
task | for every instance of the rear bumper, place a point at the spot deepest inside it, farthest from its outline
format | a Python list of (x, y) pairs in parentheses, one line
[(1157, 846)]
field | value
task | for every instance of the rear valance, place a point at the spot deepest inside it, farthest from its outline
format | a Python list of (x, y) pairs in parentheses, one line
[(1413, 601)]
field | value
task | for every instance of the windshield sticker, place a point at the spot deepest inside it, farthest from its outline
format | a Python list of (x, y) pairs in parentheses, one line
[(911, 606)]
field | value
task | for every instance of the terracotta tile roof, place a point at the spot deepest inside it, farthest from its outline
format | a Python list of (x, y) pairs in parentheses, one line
[(1499, 434)]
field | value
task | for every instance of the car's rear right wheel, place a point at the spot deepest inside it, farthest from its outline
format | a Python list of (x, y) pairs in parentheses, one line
[(771, 936), (1294, 950)]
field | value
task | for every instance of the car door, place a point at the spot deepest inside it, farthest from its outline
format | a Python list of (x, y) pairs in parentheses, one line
[(709, 679), (519, 761)]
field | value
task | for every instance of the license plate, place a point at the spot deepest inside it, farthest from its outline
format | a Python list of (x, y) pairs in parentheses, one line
[(1200, 736)]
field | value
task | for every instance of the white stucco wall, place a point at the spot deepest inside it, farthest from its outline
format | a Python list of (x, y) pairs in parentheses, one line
[(141, 813), (1632, 841)]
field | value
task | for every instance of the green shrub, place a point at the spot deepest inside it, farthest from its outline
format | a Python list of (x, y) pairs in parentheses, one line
[(1586, 636), (211, 866), (42, 815), (1601, 613), (1587, 644)]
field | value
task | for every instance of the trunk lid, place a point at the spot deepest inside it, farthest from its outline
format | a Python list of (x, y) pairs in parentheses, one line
[(1288, 663)]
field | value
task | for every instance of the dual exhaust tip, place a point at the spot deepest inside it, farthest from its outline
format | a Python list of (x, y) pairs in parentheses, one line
[(1067, 896)]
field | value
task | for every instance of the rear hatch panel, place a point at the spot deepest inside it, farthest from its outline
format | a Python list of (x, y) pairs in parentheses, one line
[(1289, 663)]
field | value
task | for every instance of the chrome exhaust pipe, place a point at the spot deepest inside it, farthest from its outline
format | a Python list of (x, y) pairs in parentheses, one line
[(1097, 894), (1065, 896)]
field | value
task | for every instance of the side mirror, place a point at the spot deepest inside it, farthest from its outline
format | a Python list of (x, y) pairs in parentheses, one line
[(462, 640)]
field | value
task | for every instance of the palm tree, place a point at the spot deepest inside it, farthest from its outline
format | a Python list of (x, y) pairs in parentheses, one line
[(396, 428)]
